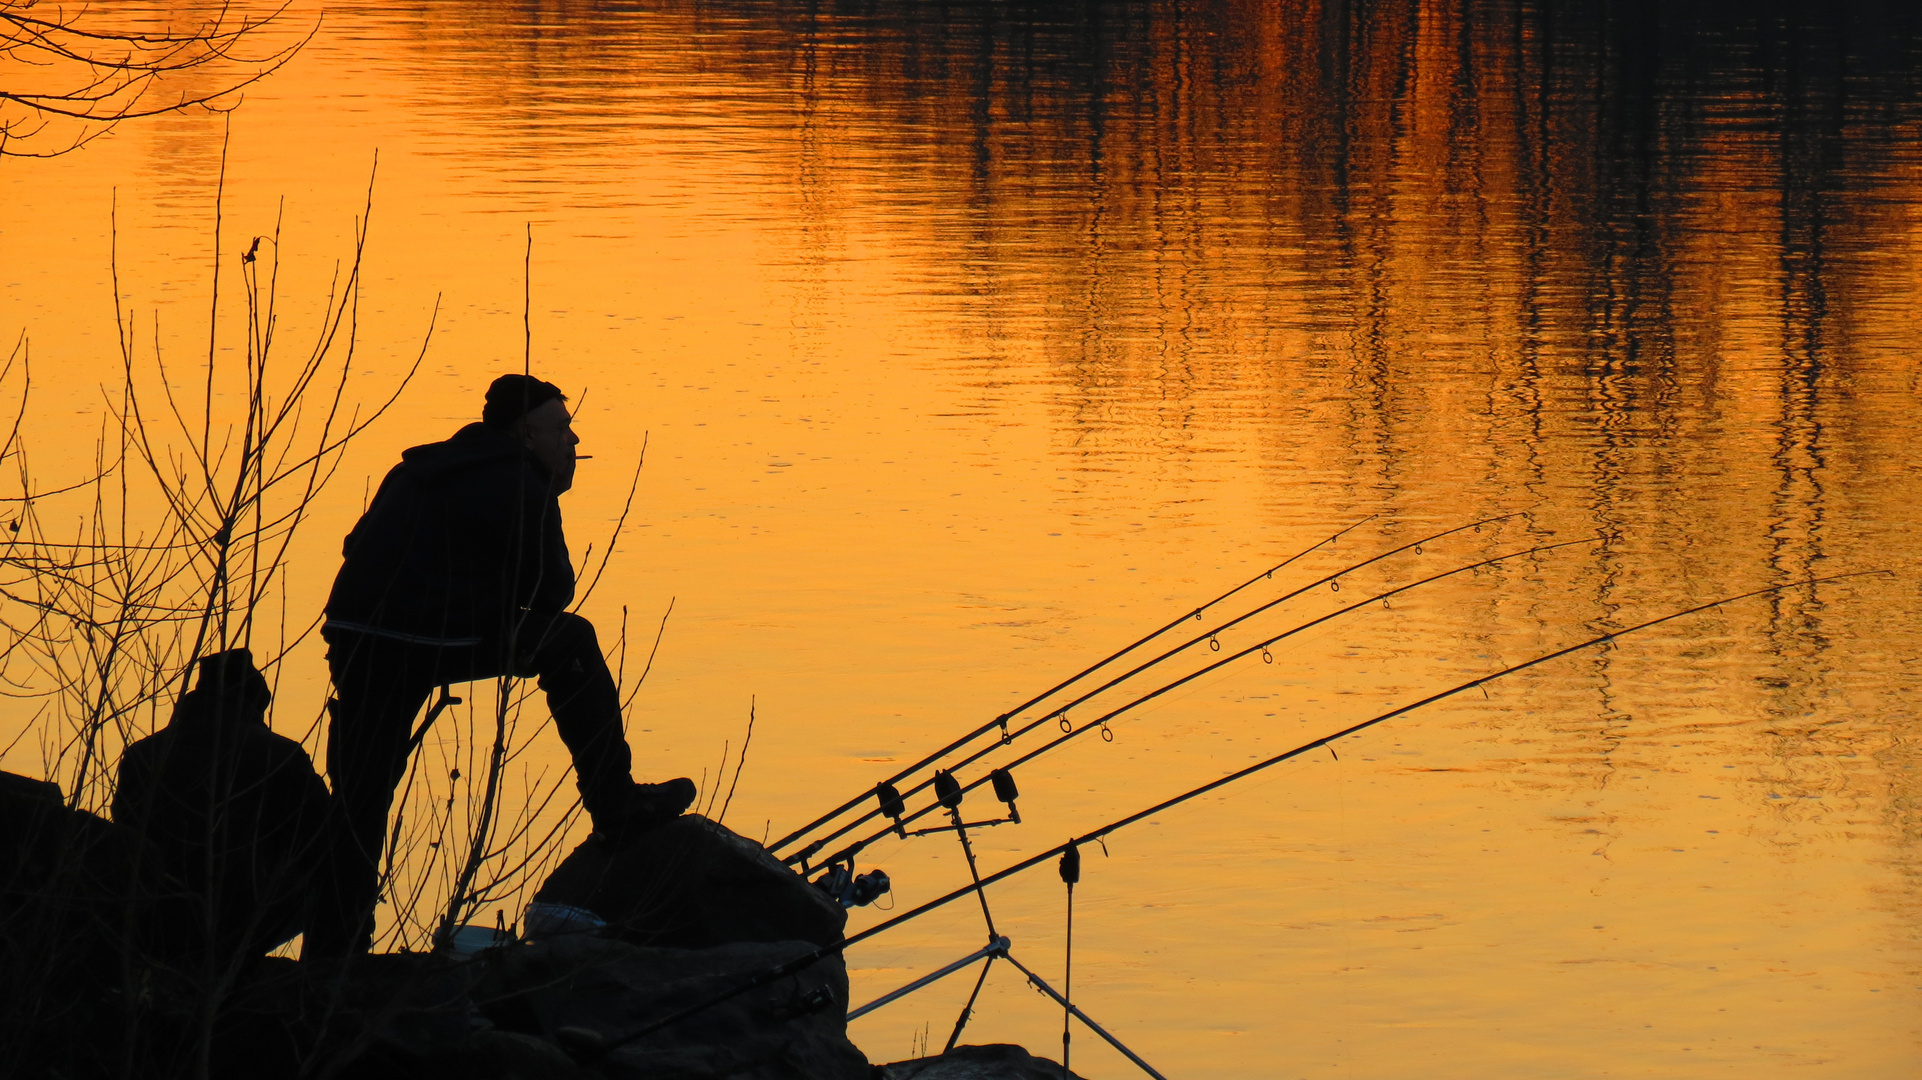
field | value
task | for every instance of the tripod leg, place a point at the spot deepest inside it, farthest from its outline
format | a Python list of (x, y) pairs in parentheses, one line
[(974, 871), (967, 1010)]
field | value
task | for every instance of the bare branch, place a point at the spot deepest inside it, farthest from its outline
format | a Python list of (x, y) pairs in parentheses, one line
[(93, 67)]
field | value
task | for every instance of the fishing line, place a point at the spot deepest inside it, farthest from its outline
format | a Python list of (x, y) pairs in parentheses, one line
[(1212, 637), (888, 794), (1002, 720), (597, 1048), (1097, 723)]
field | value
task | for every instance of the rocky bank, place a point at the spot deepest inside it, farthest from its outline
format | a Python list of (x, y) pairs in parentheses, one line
[(680, 914)]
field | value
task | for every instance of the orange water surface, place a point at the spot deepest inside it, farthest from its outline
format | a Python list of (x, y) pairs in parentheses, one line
[(969, 341)]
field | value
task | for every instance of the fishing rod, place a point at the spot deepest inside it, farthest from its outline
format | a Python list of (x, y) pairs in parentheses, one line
[(589, 1043), (1002, 720), (886, 795), (1099, 723)]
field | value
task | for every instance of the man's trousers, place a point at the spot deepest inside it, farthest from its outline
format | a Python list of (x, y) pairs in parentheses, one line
[(380, 684)]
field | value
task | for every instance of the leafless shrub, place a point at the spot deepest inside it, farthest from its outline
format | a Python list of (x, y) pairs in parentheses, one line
[(173, 543)]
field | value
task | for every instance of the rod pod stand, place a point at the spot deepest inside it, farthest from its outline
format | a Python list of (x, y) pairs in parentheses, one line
[(948, 789), (998, 949)]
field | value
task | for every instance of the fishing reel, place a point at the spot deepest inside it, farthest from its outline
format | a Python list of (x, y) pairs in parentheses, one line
[(843, 886)]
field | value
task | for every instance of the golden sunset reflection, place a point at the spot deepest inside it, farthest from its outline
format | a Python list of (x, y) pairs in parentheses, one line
[(969, 342)]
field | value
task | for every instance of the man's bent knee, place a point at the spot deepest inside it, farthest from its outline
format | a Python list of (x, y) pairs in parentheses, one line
[(566, 638)]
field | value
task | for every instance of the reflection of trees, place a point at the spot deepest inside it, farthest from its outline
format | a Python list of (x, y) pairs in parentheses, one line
[(68, 74), (1519, 230)]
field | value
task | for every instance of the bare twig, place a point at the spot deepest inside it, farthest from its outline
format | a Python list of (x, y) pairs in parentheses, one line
[(738, 762)]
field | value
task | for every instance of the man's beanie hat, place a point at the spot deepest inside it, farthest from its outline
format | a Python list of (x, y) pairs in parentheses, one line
[(230, 678), (514, 396)]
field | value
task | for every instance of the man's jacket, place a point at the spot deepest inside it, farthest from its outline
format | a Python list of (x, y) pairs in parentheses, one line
[(462, 541)]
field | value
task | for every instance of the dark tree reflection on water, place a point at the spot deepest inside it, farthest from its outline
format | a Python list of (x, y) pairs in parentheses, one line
[(1319, 162)]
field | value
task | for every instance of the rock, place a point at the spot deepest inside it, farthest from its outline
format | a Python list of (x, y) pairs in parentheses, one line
[(994, 1061), (507, 1055), (67, 866), (690, 883), (71, 887), (412, 1009), (792, 1029), (481, 1055), (502, 1014), (27, 793)]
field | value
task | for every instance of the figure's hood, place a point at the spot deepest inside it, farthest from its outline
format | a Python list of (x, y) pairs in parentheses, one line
[(472, 447), (201, 710)]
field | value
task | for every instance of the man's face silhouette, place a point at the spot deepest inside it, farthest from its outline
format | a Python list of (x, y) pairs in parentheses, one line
[(548, 434)]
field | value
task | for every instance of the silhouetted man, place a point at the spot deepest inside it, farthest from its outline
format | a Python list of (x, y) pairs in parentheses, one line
[(234, 812), (459, 571)]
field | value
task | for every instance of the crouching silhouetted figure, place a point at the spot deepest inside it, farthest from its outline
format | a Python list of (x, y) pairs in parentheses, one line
[(233, 812)]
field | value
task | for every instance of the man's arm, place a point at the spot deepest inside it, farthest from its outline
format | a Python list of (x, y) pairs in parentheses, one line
[(387, 483), (544, 572), (557, 575)]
